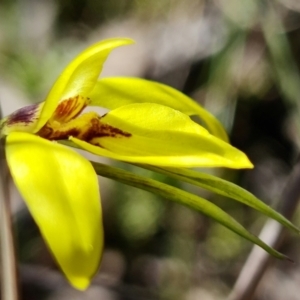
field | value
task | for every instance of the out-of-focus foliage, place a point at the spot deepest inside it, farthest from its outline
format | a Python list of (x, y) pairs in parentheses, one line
[(239, 59)]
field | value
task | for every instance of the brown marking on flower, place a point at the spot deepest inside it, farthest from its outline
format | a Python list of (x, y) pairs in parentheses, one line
[(24, 115), (51, 134), (70, 108), (86, 127), (45, 132), (98, 130), (107, 130), (64, 135)]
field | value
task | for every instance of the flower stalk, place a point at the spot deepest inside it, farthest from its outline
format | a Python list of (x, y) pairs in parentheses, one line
[(9, 278)]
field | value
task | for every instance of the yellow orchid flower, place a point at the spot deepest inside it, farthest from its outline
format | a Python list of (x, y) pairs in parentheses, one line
[(148, 124)]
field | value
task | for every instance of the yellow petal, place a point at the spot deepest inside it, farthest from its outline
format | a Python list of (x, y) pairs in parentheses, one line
[(61, 191), (80, 76), (155, 134), (114, 92)]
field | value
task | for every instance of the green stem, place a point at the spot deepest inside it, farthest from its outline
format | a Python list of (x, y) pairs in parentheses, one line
[(9, 282)]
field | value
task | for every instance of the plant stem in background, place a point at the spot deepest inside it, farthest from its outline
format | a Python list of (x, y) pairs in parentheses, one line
[(9, 279), (272, 233)]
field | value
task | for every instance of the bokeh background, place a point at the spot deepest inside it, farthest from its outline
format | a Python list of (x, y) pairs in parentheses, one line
[(239, 59)]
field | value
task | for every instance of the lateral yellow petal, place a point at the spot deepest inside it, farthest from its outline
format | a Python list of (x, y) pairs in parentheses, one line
[(155, 134), (61, 191), (80, 76), (114, 92)]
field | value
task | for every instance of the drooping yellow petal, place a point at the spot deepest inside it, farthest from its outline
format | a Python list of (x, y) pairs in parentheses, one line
[(155, 134), (61, 191), (80, 76), (114, 92)]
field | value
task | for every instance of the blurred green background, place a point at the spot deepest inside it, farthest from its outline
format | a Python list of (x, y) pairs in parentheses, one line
[(239, 59)]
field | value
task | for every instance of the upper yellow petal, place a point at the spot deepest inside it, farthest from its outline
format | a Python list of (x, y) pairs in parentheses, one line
[(79, 77), (114, 92), (61, 191)]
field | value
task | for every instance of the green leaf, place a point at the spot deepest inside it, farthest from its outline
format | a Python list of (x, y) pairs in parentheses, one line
[(224, 188), (184, 198), (114, 92)]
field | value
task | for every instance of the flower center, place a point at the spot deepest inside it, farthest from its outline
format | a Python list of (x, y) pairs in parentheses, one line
[(67, 121)]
